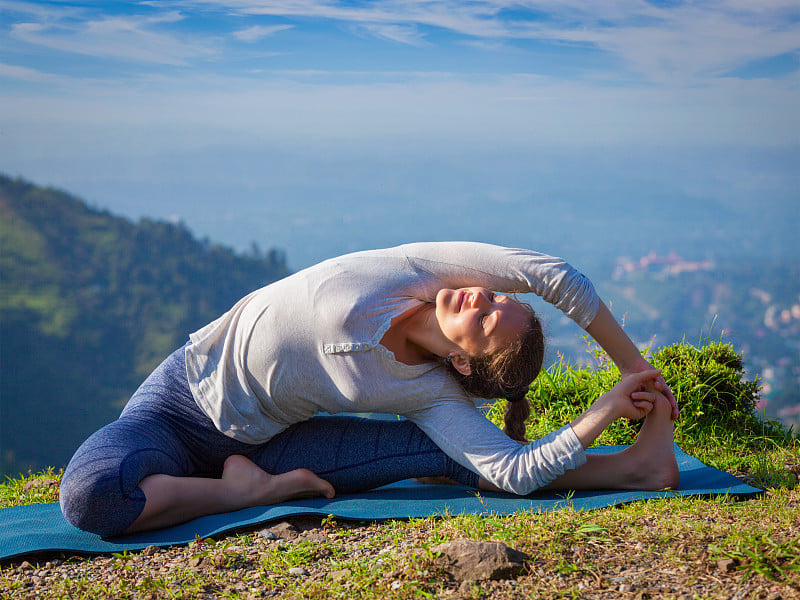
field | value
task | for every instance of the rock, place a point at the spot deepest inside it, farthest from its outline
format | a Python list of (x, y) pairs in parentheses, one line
[(150, 550), (267, 534), (25, 565), (339, 574), (626, 588), (284, 530), (468, 560), (297, 571), (726, 565), (196, 561)]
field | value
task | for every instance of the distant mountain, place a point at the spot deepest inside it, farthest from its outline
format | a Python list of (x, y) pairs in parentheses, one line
[(90, 303)]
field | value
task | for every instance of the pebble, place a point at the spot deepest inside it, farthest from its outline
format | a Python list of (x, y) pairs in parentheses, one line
[(339, 574), (196, 561), (297, 571), (267, 534)]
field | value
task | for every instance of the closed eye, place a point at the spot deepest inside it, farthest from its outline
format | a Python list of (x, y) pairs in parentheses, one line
[(491, 300)]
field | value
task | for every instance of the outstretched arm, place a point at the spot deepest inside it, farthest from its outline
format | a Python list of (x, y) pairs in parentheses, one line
[(608, 333)]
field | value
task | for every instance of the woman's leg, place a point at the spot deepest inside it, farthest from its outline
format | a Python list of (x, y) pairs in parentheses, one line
[(99, 490), (149, 468), (172, 500), (649, 464), (356, 454), (312, 458)]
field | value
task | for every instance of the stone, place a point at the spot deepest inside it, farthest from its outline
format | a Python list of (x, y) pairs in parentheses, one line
[(196, 561), (339, 574), (297, 571), (150, 550), (469, 560), (284, 530), (267, 534), (726, 565)]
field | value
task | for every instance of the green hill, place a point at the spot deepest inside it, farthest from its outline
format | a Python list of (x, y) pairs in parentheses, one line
[(89, 304)]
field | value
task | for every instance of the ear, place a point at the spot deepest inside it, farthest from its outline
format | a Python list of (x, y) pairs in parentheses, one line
[(460, 360)]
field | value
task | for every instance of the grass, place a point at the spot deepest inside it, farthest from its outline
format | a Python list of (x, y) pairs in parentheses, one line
[(679, 548)]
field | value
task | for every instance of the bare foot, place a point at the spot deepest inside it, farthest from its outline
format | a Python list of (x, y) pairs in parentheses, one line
[(653, 464), (256, 487)]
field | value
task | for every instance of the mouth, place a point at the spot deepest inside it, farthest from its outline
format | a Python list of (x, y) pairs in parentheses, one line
[(462, 298)]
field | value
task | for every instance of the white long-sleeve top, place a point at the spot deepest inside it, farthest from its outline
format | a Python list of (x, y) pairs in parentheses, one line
[(310, 343)]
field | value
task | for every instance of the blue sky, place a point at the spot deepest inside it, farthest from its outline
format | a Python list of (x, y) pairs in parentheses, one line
[(268, 121)]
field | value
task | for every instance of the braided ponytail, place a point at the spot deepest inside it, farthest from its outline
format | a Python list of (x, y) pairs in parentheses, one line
[(517, 411)]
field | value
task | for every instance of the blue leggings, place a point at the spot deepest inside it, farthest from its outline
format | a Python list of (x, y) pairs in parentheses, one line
[(162, 430)]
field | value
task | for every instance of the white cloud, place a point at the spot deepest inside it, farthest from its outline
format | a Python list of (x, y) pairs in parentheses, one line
[(257, 32), (126, 38), (403, 34), (26, 74), (685, 41)]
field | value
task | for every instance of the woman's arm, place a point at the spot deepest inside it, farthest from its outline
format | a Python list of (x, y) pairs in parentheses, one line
[(608, 333), (474, 442)]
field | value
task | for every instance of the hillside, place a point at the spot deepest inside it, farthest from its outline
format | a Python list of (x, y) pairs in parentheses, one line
[(89, 304)]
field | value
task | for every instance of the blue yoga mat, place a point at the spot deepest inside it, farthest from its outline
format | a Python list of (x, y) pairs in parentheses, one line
[(26, 530)]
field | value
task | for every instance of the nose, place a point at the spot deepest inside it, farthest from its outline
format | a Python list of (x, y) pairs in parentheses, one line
[(480, 297)]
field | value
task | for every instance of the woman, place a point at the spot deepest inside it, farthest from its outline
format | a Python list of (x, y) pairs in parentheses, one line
[(227, 421)]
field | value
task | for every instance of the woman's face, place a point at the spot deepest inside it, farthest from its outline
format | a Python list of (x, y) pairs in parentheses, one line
[(478, 320)]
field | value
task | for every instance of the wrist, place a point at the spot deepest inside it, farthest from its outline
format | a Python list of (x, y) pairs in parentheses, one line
[(637, 365), (592, 422)]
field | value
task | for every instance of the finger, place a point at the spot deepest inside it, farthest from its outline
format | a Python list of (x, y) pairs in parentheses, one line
[(645, 396), (642, 378), (671, 397)]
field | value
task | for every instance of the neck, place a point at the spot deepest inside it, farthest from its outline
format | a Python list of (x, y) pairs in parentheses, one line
[(422, 330), (412, 336)]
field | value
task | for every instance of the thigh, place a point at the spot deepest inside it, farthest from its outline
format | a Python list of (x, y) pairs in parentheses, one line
[(165, 402), (355, 454)]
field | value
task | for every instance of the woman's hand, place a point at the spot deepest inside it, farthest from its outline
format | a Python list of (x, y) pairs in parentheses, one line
[(654, 386), (631, 398)]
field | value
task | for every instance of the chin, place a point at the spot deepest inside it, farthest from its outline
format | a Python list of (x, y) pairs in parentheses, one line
[(441, 299)]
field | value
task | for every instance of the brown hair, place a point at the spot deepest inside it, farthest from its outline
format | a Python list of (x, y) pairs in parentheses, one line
[(507, 374)]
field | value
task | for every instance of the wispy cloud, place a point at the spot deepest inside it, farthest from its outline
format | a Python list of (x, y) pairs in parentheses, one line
[(131, 38), (257, 32), (685, 40), (402, 34), (25, 74)]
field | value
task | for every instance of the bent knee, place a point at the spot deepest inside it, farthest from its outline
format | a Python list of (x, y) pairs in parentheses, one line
[(97, 504)]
